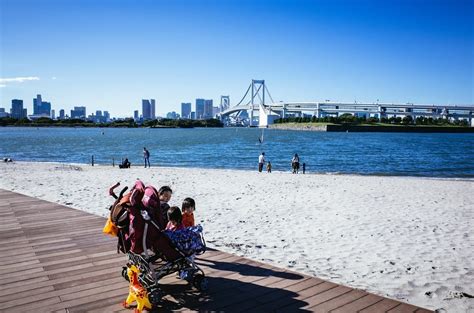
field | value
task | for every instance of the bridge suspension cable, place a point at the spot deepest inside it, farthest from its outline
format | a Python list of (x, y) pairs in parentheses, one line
[(256, 92), (248, 89), (269, 94)]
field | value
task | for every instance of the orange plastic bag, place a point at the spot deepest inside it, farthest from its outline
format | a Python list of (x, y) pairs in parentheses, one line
[(110, 228)]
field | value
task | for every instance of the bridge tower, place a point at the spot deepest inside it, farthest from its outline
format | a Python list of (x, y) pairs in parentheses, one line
[(258, 88), (225, 103)]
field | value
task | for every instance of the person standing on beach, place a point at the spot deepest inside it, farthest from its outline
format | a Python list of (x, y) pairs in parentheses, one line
[(261, 161), (269, 167), (295, 163), (146, 157)]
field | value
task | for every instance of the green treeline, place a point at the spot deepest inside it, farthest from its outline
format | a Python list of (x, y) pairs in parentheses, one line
[(183, 123), (354, 120), (127, 123)]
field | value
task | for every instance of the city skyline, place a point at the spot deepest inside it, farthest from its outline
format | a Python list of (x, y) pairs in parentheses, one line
[(396, 51), (41, 108)]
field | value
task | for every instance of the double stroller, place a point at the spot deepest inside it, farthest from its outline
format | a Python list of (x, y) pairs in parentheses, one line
[(138, 221)]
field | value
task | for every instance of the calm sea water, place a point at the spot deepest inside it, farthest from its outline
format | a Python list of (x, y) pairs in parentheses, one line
[(409, 154)]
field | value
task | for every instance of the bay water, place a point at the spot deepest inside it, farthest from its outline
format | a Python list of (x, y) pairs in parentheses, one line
[(407, 154)]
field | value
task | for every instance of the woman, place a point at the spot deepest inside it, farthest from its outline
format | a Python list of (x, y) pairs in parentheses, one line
[(295, 163)]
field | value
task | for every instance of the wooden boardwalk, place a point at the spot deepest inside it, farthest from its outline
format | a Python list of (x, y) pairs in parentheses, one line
[(56, 259)]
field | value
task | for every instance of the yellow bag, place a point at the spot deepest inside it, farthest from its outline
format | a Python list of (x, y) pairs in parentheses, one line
[(110, 228)]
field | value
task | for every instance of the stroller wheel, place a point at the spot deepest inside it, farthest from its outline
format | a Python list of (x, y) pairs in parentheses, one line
[(124, 273), (154, 296), (201, 282)]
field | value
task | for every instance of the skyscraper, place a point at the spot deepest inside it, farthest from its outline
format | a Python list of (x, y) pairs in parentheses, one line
[(148, 109), (146, 114), (37, 104), (200, 109), (135, 115), (79, 113), (186, 110), (208, 109), (3, 113), (152, 109), (61, 114), (17, 111), (41, 107)]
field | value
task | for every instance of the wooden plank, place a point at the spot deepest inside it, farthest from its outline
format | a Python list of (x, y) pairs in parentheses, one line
[(403, 308), (35, 306), (25, 294), (336, 302), (382, 306), (295, 296), (358, 304)]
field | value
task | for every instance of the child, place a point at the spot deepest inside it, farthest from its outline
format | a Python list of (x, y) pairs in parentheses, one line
[(269, 167), (175, 219), (165, 193), (188, 240), (188, 208)]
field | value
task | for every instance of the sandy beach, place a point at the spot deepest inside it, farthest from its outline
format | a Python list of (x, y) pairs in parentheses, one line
[(406, 238)]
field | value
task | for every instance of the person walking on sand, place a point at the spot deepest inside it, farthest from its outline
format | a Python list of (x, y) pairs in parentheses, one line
[(261, 161), (146, 157)]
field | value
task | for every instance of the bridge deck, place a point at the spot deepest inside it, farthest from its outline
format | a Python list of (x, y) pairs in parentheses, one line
[(56, 259)]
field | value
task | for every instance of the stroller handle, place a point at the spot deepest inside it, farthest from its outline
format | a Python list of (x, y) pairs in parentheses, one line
[(111, 190)]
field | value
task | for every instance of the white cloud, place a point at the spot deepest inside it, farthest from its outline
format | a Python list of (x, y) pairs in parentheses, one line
[(2, 86), (17, 80), (53, 78)]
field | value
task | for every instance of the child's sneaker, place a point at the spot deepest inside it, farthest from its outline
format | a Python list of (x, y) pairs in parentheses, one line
[(183, 274)]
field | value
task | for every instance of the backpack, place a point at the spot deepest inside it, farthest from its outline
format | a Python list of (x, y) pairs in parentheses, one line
[(125, 220)]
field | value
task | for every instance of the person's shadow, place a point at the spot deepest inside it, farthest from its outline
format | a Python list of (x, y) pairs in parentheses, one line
[(236, 287)]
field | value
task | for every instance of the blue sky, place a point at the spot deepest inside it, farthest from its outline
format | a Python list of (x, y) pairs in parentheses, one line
[(109, 54)]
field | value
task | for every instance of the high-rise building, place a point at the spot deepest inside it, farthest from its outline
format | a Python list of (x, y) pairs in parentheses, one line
[(146, 114), (152, 109), (193, 115), (37, 104), (99, 118), (186, 110), (106, 116), (41, 107), (148, 109), (136, 117), (79, 113), (61, 114), (46, 108), (208, 109), (200, 109), (17, 111), (53, 114), (3, 113)]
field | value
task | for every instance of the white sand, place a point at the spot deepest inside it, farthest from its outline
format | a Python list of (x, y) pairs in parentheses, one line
[(409, 239)]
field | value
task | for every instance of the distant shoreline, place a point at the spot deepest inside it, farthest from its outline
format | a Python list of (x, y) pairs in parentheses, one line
[(372, 128)]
